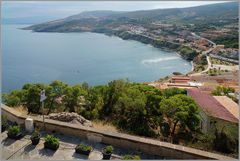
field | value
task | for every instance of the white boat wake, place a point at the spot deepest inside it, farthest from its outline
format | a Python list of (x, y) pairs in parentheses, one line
[(158, 60)]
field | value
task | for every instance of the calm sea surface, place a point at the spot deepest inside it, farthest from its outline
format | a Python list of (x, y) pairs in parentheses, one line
[(77, 57)]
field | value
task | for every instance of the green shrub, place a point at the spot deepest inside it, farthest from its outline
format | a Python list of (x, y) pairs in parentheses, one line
[(11, 100), (13, 130), (225, 142), (188, 53), (83, 147), (173, 91), (177, 73), (50, 139), (4, 121), (131, 157), (109, 149)]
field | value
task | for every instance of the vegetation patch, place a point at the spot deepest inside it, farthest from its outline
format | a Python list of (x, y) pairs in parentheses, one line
[(51, 142), (187, 53), (83, 149), (229, 41), (4, 123), (225, 91), (167, 114), (131, 157), (35, 137), (107, 152), (14, 132)]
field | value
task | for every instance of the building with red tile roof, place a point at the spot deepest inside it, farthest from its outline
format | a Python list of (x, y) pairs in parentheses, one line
[(211, 110), (229, 104), (180, 79)]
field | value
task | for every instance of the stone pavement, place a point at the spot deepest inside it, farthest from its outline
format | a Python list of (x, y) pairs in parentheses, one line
[(23, 149)]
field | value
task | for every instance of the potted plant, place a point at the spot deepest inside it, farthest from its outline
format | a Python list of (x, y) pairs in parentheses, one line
[(35, 137), (14, 132), (107, 152), (83, 149), (4, 123), (131, 157), (51, 142)]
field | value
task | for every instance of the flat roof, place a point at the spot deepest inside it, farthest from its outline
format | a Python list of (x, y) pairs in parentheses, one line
[(211, 106)]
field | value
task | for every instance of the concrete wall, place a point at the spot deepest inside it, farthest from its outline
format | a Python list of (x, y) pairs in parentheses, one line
[(209, 123), (146, 145)]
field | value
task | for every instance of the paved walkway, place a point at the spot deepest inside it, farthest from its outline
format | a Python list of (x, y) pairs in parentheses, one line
[(23, 149)]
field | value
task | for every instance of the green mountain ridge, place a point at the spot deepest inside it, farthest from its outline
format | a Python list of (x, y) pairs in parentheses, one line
[(90, 20)]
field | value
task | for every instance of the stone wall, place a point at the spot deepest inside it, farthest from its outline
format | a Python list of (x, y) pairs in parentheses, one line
[(204, 121), (146, 145)]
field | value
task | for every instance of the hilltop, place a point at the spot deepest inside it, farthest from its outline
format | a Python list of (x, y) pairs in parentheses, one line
[(214, 14), (193, 32)]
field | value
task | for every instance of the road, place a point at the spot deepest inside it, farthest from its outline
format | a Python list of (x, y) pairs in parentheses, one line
[(206, 54), (208, 67), (198, 36)]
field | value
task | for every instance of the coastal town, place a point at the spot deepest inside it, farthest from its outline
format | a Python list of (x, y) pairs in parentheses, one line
[(192, 115)]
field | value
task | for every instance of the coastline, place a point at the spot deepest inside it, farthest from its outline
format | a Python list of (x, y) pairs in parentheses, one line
[(131, 36), (126, 35)]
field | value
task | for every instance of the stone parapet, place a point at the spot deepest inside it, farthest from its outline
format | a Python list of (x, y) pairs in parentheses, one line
[(146, 145)]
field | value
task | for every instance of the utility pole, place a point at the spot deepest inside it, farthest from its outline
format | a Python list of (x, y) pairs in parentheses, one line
[(42, 98)]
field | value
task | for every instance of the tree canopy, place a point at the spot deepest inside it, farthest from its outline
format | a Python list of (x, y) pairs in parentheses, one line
[(133, 107)]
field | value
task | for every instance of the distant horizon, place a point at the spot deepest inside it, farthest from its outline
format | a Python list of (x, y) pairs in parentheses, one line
[(33, 12), (24, 9)]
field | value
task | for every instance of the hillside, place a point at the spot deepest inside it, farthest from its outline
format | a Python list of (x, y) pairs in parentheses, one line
[(215, 14), (162, 28)]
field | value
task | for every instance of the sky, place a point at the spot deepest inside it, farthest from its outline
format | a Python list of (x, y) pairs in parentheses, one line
[(60, 9)]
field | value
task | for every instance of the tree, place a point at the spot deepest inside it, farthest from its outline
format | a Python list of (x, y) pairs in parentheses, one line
[(94, 103), (173, 91), (225, 142), (182, 111), (32, 96), (85, 86), (74, 98), (130, 112), (57, 90), (153, 109), (188, 53), (221, 90), (14, 98), (11, 100), (114, 91)]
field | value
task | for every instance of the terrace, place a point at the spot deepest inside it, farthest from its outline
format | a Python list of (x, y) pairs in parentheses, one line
[(71, 135), (23, 149)]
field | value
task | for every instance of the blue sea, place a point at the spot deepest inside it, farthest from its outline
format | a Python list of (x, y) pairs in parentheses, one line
[(30, 57)]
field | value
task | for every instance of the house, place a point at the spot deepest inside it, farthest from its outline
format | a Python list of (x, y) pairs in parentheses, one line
[(229, 104), (220, 46), (212, 112), (179, 40), (180, 79)]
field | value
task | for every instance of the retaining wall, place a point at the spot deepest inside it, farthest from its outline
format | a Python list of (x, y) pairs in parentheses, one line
[(146, 145)]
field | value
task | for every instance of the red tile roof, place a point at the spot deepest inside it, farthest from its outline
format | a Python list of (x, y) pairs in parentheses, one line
[(181, 78), (210, 105)]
